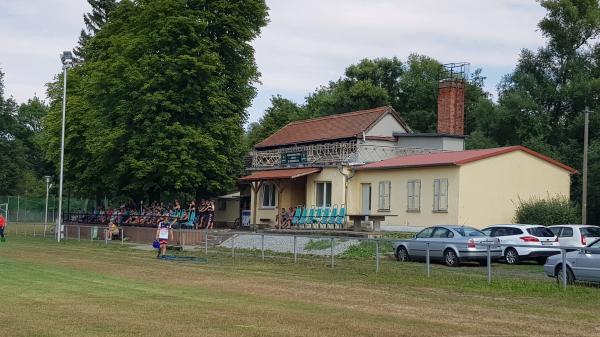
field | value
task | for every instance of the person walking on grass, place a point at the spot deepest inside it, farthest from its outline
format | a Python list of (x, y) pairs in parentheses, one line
[(2, 225), (162, 235)]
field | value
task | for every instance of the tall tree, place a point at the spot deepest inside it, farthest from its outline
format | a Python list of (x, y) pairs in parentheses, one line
[(159, 104), (542, 100), (21, 157), (93, 21)]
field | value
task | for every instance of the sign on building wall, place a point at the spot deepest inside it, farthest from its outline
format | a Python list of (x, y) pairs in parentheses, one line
[(293, 158)]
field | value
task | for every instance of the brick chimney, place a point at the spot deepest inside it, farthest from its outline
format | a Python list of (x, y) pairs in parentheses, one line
[(451, 107)]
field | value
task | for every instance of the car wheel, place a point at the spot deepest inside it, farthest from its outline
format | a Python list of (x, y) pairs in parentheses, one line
[(511, 256), (559, 275), (401, 254), (450, 258)]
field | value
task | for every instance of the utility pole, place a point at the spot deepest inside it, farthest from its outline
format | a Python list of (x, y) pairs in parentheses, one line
[(585, 168)]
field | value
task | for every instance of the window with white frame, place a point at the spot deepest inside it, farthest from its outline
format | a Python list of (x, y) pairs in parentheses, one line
[(413, 195), (269, 195), (323, 194), (440, 195), (384, 195)]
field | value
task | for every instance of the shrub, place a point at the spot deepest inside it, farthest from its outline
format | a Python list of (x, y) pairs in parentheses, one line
[(551, 211)]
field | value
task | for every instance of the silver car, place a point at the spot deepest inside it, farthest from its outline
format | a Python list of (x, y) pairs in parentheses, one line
[(451, 244), (582, 264)]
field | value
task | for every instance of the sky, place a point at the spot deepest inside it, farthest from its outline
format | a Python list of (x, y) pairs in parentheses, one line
[(306, 44)]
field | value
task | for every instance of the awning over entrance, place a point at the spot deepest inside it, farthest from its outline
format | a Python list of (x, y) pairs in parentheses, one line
[(280, 174)]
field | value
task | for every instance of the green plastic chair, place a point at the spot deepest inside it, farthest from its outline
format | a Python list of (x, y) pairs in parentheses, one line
[(317, 217), (341, 217), (310, 217), (325, 217), (303, 217), (297, 216), (332, 217)]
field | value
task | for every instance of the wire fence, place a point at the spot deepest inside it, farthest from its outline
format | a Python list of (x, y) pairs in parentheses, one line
[(360, 254), (23, 209)]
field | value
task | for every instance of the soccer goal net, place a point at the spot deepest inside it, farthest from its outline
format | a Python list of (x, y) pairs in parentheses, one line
[(4, 211)]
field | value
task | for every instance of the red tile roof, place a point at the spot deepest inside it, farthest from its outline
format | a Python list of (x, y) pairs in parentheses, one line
[(341, 126), (280, 174), (456, 158)]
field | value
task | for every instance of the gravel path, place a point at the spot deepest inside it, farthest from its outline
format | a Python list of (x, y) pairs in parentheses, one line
[(285, 244)]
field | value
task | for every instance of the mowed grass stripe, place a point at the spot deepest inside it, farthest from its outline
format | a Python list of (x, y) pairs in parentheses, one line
[(276, 298), (98, 293)]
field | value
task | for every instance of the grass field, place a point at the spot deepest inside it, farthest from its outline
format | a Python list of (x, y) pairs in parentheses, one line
[(88, 289)]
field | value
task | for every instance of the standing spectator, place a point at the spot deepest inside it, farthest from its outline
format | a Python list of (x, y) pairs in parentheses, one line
[(210, 214), (202, 214), (163, 233), (2, 225)]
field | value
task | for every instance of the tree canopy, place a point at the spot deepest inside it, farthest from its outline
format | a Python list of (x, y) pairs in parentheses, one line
[(22, 164), (158, 105), (410, 87)]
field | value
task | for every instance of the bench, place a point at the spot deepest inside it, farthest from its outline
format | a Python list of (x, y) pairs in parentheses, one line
[(376, 218)]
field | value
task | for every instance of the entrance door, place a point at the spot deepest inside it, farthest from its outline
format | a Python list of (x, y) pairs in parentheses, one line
[(366, 198)]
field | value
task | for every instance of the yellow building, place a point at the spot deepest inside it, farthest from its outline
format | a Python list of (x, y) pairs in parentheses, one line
[(473, 188), (373, 166)]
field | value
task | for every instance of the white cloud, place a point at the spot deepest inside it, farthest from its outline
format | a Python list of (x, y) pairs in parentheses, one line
[(306, 44), (33, 34)]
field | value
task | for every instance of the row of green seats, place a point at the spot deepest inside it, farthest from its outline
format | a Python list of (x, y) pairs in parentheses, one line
[(318, 216)]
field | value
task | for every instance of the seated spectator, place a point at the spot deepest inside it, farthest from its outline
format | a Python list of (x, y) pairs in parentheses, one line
[(113, 231), (283, 218)]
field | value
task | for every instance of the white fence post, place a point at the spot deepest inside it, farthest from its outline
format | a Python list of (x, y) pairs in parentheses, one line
[(262, 246), (428, 263), (295, 253), (332, 255), (377, 255)]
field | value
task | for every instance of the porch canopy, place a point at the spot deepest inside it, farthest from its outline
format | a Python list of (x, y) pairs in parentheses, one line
[(256, 179), (280, 174)]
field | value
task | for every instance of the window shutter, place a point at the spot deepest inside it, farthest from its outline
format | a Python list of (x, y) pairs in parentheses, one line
[(444, 194), (436, 194), (417, 194)]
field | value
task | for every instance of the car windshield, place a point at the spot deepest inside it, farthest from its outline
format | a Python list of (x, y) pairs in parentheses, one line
[(591, 232), (468, 231), (541, 232), (595, 244)]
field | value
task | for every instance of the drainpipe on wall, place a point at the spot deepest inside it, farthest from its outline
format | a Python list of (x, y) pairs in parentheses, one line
[(347, 178)]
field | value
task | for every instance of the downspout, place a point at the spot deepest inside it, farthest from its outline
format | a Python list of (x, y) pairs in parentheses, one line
[(347, 178)]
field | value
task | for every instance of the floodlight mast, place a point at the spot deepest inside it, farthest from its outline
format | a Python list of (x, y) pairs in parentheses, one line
[(48, 186), (67, 60)]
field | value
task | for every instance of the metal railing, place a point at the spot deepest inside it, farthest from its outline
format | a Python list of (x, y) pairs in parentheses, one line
[(231, 243)]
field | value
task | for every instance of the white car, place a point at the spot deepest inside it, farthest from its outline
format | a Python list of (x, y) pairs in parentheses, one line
[(575, 235), (533, 235)]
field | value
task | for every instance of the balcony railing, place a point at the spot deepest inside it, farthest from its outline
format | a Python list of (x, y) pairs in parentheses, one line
[(328, 154)]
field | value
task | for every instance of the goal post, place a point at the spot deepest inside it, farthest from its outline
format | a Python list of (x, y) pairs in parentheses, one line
[(4, 211)]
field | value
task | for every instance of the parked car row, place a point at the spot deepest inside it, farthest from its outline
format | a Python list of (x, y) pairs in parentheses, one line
[(454, 244)]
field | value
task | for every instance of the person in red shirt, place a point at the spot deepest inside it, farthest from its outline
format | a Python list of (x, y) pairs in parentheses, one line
[(2, 225)]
